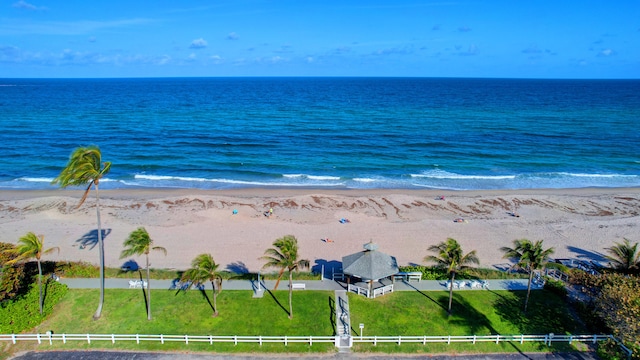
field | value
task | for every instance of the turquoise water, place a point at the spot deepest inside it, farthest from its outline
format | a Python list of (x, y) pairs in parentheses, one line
[(218, 133)]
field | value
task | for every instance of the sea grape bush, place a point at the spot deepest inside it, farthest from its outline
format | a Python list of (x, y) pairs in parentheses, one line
[(23, 313)]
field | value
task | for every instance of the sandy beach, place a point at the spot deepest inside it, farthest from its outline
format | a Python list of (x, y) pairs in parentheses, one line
[(579, 223)]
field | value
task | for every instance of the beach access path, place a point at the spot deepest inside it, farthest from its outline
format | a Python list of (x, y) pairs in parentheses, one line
[(328, 285)]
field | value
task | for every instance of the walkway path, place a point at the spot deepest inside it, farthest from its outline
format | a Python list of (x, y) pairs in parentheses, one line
[(329, 285)]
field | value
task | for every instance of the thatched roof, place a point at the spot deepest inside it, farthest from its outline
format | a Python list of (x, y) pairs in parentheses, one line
[(370, 264)]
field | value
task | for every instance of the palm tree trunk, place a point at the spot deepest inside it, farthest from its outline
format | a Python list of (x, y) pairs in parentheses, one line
[(453, 276), (526, 301), (215, 299), (148, 291), (290, 294), (279, 277), (40, 283), (98, 313)]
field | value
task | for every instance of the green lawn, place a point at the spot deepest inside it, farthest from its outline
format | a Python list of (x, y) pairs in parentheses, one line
[(189, 312), (474, 313), (399, 313)]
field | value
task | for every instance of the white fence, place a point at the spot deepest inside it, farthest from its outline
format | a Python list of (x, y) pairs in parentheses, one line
[(113, 338), (546, 339)]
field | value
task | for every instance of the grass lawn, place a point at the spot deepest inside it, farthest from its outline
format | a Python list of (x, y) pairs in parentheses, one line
[(474, 313), (399, 313), (189, 312)]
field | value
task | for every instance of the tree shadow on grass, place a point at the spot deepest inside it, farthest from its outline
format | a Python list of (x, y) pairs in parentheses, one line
[(546, 313), (204, 294), (444, 307), (277, 301), (463, 314), (144, 293), (90, 239)]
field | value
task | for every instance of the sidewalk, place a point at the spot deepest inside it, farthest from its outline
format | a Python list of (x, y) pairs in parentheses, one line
[(328, 285)]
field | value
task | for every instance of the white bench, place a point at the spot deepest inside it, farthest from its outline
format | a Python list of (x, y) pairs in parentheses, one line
[(298, 286), (408, 276)]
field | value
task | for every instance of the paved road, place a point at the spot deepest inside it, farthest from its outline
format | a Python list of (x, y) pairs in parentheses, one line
[(112, 355), (424, 285)]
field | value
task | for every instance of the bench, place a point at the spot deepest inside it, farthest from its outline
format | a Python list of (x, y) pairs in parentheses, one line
[(408, 276), (298, 286)]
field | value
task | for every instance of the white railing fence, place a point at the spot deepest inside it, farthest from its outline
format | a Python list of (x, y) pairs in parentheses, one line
[(113, 338), (546, 339)]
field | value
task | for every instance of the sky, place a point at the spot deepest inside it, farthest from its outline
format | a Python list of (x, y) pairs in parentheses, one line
[(404, 38)]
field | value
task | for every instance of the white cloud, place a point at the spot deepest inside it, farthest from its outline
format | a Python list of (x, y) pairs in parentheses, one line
[(606, 52), (198, 44), (26, 6), (233, 36), (80, 27)]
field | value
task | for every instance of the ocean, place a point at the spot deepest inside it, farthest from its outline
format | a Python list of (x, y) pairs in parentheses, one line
[(342, 133)]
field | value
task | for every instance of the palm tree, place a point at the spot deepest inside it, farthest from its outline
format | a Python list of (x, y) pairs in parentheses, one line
[(85, 166), (530, 256), (204, 268), (139, 243), (284, 255), (624, 256), (450, 256), (31, 246)]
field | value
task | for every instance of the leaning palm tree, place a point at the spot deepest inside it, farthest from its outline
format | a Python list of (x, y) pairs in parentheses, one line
[(530, 256), (451, 257), (624, 256), (140, 243), (31, 246), (284, 255), (204, 268), (85, 166)]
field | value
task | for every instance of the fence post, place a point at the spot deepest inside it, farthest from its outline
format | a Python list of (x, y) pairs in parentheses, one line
[(64, 338), (594, 338), (311, 339), (161, 339), (13, 338), (546, 340), (88, 338), (137, 339), (474, 339), (497, 339), (260, 340), (570, 339), (285, 340), (49, 333), (399, 339), (235, 339), (375, 341), (38, 337), (113, 339), (424, 340), (449, 340), (521, 339), (210, 340), (186, 339)]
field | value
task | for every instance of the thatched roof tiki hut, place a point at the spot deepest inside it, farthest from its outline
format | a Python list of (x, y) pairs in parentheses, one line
[(369, 266)]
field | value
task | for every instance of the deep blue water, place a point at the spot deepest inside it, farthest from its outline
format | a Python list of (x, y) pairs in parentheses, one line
[(219, 133)]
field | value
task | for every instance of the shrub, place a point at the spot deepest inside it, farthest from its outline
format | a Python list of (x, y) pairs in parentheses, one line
[(23, 313), (13, 280), (556, 286)]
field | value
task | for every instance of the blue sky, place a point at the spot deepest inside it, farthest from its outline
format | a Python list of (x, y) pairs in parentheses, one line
[(511, 38)]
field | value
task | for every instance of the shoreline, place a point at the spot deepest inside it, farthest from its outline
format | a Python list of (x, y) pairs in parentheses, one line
[(578, 223)]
